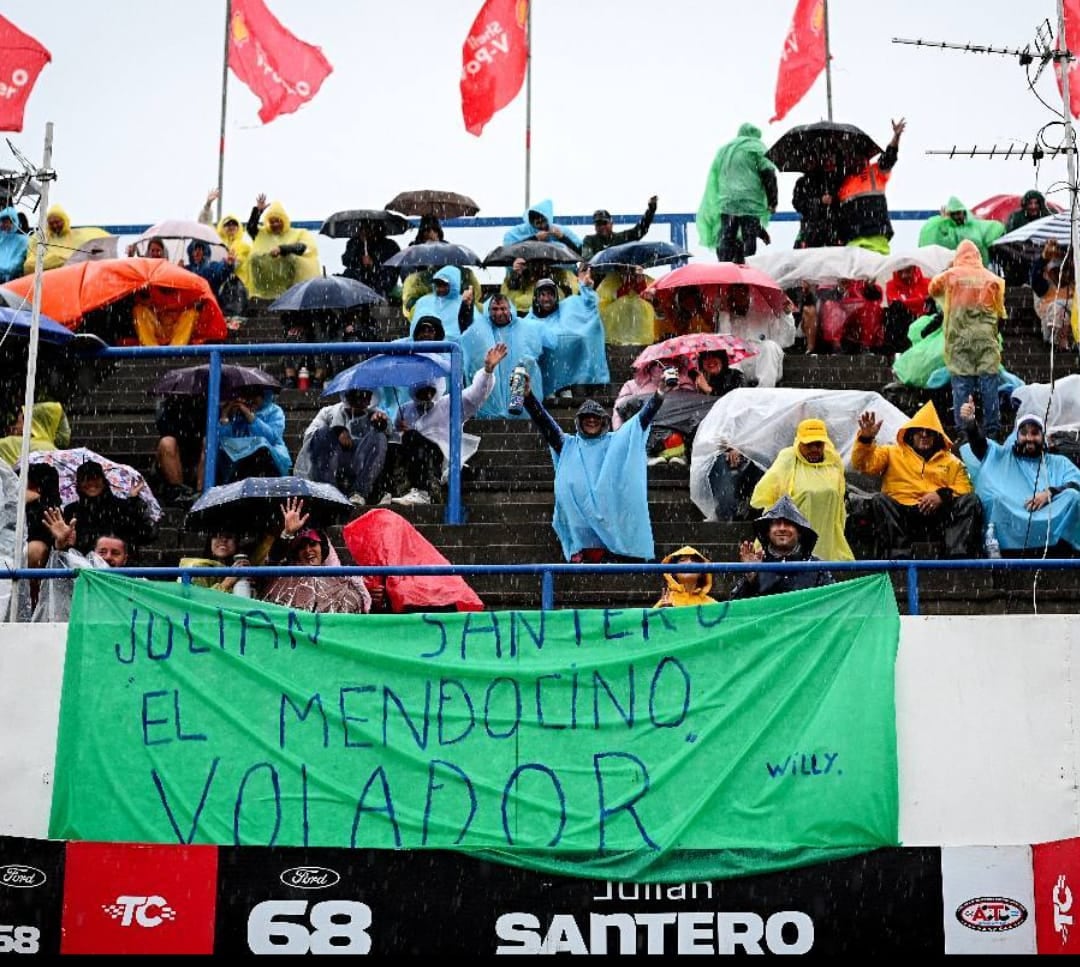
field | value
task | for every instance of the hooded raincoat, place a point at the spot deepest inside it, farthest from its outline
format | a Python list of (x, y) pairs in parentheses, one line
[(734, 185), (215, 272), (778, 582), (942, 230), (239, 245), (445, 307), (13, 246), (524, 342), (677, 595), (905, 474), (60, 246), (239, 439), (575, 352), (1020, 217), (1004, 481), (973, 300), (524, 230), (271, 276), (818, 491), (49, 430), (419, 283), (434, 423)]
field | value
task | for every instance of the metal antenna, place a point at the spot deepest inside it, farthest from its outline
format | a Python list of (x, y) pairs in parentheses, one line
[(15, 185)]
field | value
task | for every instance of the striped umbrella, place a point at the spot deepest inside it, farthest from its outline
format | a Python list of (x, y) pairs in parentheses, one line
[(1029, 238)]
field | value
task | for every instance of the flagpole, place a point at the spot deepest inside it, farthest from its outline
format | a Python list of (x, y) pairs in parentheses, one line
[(828, 58), (528, 97), (44, 176), (224, 98), (1070, 141)]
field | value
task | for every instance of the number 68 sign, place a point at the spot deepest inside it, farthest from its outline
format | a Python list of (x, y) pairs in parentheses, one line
[(330, 927)]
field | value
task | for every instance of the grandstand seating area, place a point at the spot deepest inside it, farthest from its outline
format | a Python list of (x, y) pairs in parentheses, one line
[(507, 488)]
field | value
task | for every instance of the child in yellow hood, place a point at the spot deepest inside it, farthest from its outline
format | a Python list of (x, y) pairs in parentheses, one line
[(687, 588)]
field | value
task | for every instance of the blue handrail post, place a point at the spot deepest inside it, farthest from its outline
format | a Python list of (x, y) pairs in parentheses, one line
[(454, 513), (678, 235), (912, 589), (213, 407), (547, 590)]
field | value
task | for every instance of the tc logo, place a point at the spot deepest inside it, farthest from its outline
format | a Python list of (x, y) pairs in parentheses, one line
[(147, 911), (1063, 900)]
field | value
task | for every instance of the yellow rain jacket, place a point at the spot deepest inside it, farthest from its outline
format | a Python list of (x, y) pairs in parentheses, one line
[(270, 276), (973, 300), (49, 430), (239, 246), (522, 299), (678, 596), (818, 491), (628, 319), (906, 476), (59, 247)]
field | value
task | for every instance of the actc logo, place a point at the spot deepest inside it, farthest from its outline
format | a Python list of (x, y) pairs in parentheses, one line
[(146, 911)]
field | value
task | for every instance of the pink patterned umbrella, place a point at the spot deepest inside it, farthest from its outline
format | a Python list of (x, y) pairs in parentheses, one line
[(691, 343), (120, 476)]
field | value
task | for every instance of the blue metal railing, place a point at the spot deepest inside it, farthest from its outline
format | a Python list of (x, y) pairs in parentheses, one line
[(214, 351), (547, 572)]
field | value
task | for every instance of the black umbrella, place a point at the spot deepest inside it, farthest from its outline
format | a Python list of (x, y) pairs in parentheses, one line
[(644, 254), (803, 147), (347, 224), (531, 251), (433, 255), (428, 201), (253, 505), (326, 292), (194, 381)]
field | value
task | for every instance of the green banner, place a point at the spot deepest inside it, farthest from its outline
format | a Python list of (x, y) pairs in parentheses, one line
[(629, 743)]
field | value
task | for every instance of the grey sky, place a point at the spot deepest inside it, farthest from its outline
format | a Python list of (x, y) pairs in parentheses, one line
[(628, 99)]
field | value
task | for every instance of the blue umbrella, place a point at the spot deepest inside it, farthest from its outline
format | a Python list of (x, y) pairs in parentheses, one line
[(17, 322), (326, 292), (433, 255), (375, 372), (253, 505), (644, 254)]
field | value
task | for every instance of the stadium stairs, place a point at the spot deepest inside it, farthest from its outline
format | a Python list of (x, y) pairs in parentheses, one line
[(508, 487)]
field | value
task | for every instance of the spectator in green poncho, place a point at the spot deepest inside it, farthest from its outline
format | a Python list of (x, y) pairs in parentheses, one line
[(956, 223), (740, 195), (1032, 207)]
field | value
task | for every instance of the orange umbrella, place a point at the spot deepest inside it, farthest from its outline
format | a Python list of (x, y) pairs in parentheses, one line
[(71, 291)]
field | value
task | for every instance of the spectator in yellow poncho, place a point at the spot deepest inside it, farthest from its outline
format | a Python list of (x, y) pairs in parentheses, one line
[(232, 234), (281, 256), (811, 473), (49, 430), (520, 283), (686, 589), (629, 320), (61, 240)]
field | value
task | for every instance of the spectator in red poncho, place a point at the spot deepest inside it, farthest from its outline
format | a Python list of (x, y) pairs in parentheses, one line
[(383, 538), (852, 319)]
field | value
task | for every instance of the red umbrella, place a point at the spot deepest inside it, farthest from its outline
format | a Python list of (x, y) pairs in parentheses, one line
[(692, 343), (714, 277), (1000, 207)]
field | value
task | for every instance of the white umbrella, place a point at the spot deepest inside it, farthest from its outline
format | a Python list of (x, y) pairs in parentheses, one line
[(95, 249), (761, 422), (932, 259), (1028, 239), (820, 266), (177, 233)]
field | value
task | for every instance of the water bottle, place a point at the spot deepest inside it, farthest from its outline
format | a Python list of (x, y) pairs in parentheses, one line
[(303, 379), (993, 548), (242, 588), (517, 389)]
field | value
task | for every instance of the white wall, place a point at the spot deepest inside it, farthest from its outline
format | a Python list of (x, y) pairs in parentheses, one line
[(986, 711)]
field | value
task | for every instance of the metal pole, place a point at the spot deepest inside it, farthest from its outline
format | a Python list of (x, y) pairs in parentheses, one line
[(44, 176), (454, 513), (224, 97), (213, 413), (828, 58), (528, 98), (1070, 144)]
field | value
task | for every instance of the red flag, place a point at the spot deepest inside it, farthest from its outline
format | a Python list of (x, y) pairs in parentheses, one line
[(1072, 43), (493, 61), (282, 71), (803, 57), (21, 60)]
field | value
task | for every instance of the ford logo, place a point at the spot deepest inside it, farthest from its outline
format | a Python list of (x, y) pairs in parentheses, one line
[(991, 913), (21, 877), (310, 877)]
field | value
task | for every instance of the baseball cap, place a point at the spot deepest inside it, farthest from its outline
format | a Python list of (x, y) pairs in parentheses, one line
[(310, 534), (601, 215), (811, 431), (544, 284), (1031, 418)]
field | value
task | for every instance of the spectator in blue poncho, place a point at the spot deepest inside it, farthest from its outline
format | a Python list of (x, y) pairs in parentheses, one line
[(538, 224), (1030, 496), (448, 303), (251, 437), (216, 272), (13, 245), (525, 344), (601, 486), (573, 333)]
